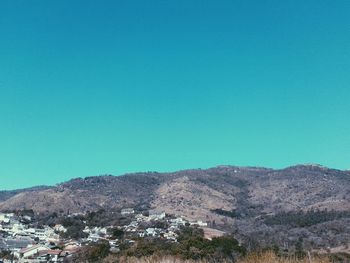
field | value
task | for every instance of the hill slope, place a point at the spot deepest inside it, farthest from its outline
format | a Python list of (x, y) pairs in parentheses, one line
[(223, 187), (256, 203)]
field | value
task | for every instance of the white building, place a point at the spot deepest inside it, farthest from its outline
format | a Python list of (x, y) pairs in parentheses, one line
[(127, 211), (179, 221), (156, 215), (199, 223), (4, 218)]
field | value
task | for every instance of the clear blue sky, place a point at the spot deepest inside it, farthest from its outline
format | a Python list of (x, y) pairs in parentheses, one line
[(96, 87)]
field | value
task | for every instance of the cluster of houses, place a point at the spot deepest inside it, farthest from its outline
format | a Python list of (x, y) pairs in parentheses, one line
[(136, 228), (32, 245), (36, 245), (169, 232)]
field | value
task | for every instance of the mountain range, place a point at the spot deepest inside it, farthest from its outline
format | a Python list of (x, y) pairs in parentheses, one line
[(231, 198)]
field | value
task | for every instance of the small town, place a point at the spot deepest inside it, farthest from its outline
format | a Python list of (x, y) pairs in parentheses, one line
[(22, 241)]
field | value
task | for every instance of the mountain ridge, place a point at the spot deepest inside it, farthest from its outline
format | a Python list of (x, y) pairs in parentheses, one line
[(235, 199), (35, 187), (114, 187)]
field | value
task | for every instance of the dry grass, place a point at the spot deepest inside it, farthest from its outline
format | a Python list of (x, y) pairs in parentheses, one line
[(270, 257), (266, 257), (152, 259)]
